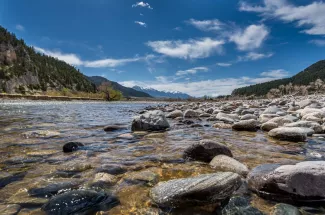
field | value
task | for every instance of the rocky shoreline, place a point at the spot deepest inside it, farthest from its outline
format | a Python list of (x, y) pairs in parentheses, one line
[(209, 173)]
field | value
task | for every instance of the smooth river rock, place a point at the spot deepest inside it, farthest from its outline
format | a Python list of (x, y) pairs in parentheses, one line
[(302, 182), (79, 202), (295, 134), (150, 121), (200, 190), (246, 125), (239, 206), (228, 164), (205, 151), (174, 114), (72, 146)]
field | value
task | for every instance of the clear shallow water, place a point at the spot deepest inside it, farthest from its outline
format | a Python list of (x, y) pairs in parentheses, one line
[(39, 160)]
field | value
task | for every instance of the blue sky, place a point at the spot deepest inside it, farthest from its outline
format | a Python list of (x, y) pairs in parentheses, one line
[(200, 47)]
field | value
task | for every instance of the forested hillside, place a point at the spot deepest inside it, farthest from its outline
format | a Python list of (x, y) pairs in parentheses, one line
[(23, 69), (304, 78)]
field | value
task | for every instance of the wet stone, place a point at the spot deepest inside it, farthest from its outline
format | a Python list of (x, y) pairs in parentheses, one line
[(9, 209), (146, 177), (7, 178), (80, 202), (285, 209), (111, 128), (239, 206), (112, 169), (72, 146)]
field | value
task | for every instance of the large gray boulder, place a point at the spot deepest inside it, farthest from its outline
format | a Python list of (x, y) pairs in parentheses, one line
[(246, 125), (306, 124), (302, 182), (150, 121), (205, 151), (228, 164), (201, 190), (294, 134)]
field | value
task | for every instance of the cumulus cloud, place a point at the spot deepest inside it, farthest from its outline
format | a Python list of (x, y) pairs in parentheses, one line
[(224, 64), (277, 74), (142, 4), (143, 24), (199, 88), (190, 49), (318, 42), (250, 38), (73, 59), (20, 27), (251, 56), (191, 71), (310, 16), (206, 25)]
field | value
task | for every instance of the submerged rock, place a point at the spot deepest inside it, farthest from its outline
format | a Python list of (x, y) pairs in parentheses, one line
[(9, 209), (228, 164), (285, 209), (150, 121), (295, 134), (7, 178), (302, 182), (114, 128), (205, 151), (200, 190), (72, 146), (79, 201), (142, 177), (239, 206)]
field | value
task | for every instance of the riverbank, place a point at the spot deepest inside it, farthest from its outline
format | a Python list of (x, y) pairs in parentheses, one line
[(46, 98)]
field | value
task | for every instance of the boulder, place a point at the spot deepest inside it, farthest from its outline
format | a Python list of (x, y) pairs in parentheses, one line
[(79, 202), (245, 125), (174, 114), (268, 126), (150, 121), (205, 151), (190, 113), (201, 190), (72, 146), (306, 124), (239, 206), (295, 134), (302, 182), (228, 164)]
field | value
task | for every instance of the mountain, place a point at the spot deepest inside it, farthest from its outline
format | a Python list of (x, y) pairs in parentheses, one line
[(310, 74), (126, 91), (162, 94), (23, 69)]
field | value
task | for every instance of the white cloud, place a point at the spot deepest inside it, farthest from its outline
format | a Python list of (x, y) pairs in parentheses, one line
[(251, 56), (109, 62), (206, 25), (250, 38), (199, 88), (72, 59), (190, 49), (178, 29), (191, 71), (207, 87), (318, 42), (278, 73), (143, 24), (312, 16), (20, 27), (142, 4), (224, 64)]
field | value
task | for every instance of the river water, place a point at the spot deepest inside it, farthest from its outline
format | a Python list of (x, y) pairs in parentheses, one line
[(33, 133)]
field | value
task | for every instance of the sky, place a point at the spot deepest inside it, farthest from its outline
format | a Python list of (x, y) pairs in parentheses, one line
[(199, 47)]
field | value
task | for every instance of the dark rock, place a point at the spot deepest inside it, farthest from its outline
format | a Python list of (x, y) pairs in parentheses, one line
[(205, 151), (7, 178), (239, 206), (302, 182), (79, 202), (200, 190), (114, 128), (72, 146), (196, 126)]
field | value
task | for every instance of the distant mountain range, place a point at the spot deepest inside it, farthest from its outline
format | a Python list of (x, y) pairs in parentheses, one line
[(310, 74), (126, 91), (162, 94)]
